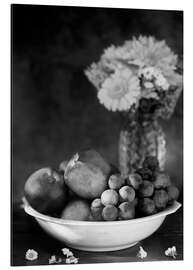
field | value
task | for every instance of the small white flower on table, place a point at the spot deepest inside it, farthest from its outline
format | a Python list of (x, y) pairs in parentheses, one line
[(31, 255), (171, 252), (53, 260), (70, 256), (141, 253), (71, 259), (67, 252)]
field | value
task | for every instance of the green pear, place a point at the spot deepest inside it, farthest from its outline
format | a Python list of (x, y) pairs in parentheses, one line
[(46, 191), (85, 179)]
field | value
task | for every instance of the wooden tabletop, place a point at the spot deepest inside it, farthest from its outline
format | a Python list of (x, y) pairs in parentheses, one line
[(26, 234)]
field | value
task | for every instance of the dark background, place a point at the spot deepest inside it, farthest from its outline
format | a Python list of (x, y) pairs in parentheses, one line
[(55, 111)]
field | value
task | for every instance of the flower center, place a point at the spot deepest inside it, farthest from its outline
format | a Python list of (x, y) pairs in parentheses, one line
[(118, 90)]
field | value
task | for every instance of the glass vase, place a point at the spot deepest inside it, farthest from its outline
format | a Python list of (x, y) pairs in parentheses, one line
[(138, 139)]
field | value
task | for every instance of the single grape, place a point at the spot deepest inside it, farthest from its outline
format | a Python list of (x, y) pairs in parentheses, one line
[(126, 211), (146, 174), (110, 213), (126, 194), (96, 209), (162, 180), (151, 163), (134, 180), (96, 213), (146, 206), (96, 203), (146, 189), (173, 193), (116, 181), (109, 196), (160, 199)]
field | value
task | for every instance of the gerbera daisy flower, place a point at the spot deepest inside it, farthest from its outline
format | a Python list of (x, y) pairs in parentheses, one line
[(118, 80), (147, 51), (120, 91)]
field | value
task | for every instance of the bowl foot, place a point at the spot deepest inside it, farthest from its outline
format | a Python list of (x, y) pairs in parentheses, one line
[(100, 249)]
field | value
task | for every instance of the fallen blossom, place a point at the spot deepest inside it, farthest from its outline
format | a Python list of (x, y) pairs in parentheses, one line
[(141, 253), (67, 252), (71, 259), (31, 255), (53, 260), (171, 252)]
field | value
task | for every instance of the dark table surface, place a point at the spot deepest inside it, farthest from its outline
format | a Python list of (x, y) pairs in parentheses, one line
[(26, 234)]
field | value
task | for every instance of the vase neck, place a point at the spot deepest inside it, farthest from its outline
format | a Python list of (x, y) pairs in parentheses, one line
[(138, 119)]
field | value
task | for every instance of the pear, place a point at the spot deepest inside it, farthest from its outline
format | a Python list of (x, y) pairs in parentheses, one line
[(46, 191), (85, 179), (93, 157)]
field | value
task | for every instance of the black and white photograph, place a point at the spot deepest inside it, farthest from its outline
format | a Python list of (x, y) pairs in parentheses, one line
[(96, 135)]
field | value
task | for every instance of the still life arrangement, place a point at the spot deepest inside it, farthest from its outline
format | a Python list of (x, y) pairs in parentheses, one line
[(89, 203), (141, 80)]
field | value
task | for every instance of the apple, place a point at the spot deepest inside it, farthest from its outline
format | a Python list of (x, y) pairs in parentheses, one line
[(46, 191)]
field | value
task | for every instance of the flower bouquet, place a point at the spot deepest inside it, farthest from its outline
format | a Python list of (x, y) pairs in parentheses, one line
[(142, 80)]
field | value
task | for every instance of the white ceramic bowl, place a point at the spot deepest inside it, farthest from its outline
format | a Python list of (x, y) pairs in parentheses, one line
[(103, 235)]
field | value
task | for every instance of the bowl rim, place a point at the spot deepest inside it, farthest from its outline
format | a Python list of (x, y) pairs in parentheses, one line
[(32, 212)]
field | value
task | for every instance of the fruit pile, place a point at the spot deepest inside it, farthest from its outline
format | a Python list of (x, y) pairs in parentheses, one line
[(88, 188), (142, 193)]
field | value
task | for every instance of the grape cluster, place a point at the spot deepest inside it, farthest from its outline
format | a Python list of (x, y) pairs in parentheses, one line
[(144, 192), (156, 191), (117, 202)]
